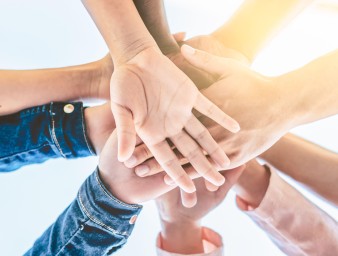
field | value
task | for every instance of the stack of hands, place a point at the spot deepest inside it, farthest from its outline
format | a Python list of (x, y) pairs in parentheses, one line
[(184, 120)]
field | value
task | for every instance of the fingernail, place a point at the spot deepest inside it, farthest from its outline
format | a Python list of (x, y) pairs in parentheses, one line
[(169, 181), (130, 162), (142, 170), (236, 128), (188, 49)]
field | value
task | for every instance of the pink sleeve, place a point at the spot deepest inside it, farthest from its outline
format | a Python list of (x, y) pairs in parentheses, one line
[(213, 245), (293, 223)]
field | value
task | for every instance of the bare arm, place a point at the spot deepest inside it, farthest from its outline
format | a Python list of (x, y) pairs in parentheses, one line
[(153, 15), (121, 26), (26, 88), (313, 166), (256, 22)]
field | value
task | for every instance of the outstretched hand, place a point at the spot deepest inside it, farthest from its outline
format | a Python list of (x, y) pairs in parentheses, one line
[(252, 99), (153, 99)]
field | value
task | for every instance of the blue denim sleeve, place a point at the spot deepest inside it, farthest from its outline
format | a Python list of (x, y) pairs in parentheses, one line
[(37, 134), (96, 223)]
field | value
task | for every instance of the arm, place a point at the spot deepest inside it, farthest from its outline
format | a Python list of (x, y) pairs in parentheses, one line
[(256, 22), (313, 166), (122, 28), (21, 89), (105, 210), (293, 223), (267, 107), (153, 15), (146, 87), (40, 133)]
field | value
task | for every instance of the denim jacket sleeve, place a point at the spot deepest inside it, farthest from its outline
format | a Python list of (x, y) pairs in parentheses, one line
[(96, 223), (37, 134)]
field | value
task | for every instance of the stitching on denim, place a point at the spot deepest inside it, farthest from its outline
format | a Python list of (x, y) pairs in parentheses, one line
[(97, 221), (84, 132), (54, 135), (75, 233), (113, 198), (28, 151)]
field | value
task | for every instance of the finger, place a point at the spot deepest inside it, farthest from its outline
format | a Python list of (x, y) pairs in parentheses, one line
[(198, 131), (151, 166), (191, 150), (211, 187), (126, 134), (189, 200), (170, 164), (232, 175), (148, 168), (209, 109), (140, 154), (179, 37), (212, 64)]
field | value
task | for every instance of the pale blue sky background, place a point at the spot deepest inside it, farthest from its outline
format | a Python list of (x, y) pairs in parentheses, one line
[(46, 33)]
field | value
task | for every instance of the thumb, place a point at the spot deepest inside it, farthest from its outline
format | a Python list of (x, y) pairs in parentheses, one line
[(179, 37), (126, 134), (205, 61)]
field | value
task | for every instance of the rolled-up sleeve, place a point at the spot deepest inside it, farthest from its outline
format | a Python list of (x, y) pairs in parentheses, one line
[(292, 222), (37, 134), (212, 243), (96, 223)]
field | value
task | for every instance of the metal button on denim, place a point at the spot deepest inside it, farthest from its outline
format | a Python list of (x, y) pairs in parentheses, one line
[(69, 108), (133, 219)]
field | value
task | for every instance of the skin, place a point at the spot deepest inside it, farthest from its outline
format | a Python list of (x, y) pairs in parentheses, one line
[(181, 227), (147, 87), (19, 87), (309, 164)]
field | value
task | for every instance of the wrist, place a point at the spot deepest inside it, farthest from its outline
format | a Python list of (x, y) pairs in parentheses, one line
[(182, 237), (253, 183), (292, 110), (134, 49)]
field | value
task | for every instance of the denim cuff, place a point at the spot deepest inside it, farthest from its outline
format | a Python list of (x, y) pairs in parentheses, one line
[(68, 130), (101, 207)]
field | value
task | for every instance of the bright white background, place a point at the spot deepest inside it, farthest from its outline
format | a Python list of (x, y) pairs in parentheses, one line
[(45, 33)]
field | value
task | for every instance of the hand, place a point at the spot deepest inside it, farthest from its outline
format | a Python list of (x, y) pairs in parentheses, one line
[(123, 183), (252, 185), (171, 209), (252, 99), (181, 230), (154, 99), (207, 43)]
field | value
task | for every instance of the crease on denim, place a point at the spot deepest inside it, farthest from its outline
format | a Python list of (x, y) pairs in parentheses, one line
[(131, 206), (75, 233), (53, 134), (27, 151), (84, 133), (97, 221)]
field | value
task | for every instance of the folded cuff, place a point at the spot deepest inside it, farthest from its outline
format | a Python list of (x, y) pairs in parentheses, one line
[(104, 209), (68, 130), (212, 243)]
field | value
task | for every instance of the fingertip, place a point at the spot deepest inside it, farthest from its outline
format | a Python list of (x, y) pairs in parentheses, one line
[(188, 50)]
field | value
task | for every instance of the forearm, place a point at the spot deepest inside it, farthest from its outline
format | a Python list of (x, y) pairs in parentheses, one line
[(256, 22), (310, 93), (182, 238), (41, 133), (121, 26), (153, 15), (96, 223), (307, 163), (23, 89)]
